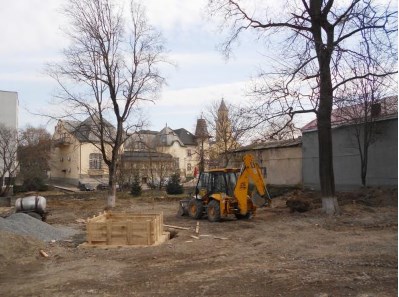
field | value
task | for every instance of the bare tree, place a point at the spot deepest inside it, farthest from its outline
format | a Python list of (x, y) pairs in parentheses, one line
[(319, 38), (34, 154), (281, 128), (362, 103), (110, 68), (8, 157)]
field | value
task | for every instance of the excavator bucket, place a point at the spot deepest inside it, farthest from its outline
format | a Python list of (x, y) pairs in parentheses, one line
[(261, 201)]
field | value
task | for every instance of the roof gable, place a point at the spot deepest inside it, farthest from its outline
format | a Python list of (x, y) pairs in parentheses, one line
[(185, 136), (89, 129)]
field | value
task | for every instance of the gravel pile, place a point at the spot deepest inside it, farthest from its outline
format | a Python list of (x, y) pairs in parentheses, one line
[(23, 224)]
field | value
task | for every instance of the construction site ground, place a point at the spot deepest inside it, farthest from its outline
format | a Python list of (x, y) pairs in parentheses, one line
[(276, 253)]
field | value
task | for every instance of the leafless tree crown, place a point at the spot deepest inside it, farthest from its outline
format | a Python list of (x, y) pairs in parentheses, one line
[(110, 68)]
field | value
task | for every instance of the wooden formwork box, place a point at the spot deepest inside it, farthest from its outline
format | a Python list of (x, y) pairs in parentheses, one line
[(126, 229)]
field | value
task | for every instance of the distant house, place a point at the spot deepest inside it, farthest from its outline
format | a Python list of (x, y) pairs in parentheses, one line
[(76, 157), (383, 152), (151, 167), (177, 150), (280, 161)]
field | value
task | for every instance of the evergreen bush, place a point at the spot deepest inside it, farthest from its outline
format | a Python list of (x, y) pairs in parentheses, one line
[(174, 186), (136, 187), (34, 184)]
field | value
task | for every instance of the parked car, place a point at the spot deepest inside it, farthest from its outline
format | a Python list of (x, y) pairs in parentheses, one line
[(102, 187), (86, 187)]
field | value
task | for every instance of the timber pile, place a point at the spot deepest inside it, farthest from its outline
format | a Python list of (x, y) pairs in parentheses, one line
[(115, 229)]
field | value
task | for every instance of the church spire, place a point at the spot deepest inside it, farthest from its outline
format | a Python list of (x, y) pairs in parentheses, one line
[(222, 106)]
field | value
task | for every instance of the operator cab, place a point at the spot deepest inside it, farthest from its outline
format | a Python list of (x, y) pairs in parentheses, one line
[(216, 181)]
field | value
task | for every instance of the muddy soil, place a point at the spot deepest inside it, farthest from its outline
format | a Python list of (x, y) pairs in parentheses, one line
[(276, 253)]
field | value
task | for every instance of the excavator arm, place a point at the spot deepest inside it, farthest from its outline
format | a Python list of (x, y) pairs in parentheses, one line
[(249, 171)]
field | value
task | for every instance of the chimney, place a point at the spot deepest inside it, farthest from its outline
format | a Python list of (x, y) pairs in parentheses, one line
[(375, 110)]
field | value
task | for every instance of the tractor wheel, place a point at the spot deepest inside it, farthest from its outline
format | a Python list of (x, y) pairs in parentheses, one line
[(195, 208), (243, 217), (213, 211)]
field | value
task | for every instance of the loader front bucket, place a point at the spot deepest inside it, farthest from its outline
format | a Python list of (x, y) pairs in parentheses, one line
[(183, 207)]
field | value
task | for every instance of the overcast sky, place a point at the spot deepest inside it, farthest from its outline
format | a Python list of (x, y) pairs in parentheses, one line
[(31, 36)]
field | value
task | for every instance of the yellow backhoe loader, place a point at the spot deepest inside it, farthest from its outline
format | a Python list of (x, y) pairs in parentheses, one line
[(221, 192)]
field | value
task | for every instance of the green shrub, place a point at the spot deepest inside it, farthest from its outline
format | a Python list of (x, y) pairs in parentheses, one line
[(34, 184), (174, 186), (136, 187)]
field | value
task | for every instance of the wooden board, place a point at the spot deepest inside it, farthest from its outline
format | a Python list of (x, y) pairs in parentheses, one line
[(124, 228)]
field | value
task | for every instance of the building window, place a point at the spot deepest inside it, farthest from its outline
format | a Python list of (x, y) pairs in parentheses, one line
[(189, 153), (95, 161), (188, 167)]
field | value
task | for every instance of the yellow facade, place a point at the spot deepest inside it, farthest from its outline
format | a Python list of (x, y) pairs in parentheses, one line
[(70, 158)]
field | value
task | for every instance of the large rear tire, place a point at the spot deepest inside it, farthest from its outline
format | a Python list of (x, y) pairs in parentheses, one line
[(213, 211), (243, 217), (195, 208)]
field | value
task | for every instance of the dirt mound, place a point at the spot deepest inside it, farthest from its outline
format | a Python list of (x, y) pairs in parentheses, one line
[(23, 224), (18, 249), (370, 196)]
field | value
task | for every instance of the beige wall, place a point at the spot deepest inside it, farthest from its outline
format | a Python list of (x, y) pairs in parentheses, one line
[(283, 164), (181, 152), (70, 158), (65, 157)]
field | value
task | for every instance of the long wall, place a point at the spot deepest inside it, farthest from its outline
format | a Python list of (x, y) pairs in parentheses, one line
[(382, 162), (280, 165)]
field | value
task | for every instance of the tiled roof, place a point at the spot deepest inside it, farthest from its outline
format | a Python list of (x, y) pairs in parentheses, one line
[(88, 130), (185, 136), (201, 130), (387, 108), (166, 137), (271, 144)]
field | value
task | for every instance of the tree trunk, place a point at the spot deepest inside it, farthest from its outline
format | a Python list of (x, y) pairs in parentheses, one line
[(111, 198), (363, 164), (330, 205), (364, 155), (324, 48), (326, 171)]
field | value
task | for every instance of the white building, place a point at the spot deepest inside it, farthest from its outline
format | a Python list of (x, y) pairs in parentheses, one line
[(8, 117), (9, 109)]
